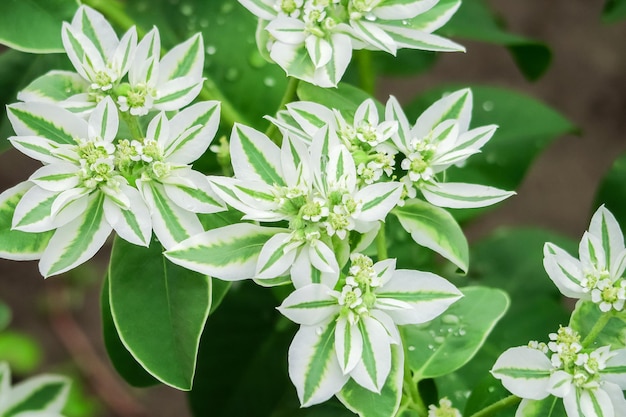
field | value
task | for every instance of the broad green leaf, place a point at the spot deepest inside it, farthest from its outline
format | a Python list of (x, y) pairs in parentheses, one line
[(434, 228), (244, 340), (452, 339), (13, 243), (34, 25), (585, 317), (527, 127), (123, 362), (54, 86), (612, 190), (159, 310), (548, 407), (475, 21), (344, 98), (512, 260), (5, 316), (21, 351), (366, 403), (614, 11)]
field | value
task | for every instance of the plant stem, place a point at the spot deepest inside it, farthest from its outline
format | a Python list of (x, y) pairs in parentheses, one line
[(133, 125), (509, 401), (596, 329), (367, 77), (288, 97), (381, 243), (114, 12), (414, 398)]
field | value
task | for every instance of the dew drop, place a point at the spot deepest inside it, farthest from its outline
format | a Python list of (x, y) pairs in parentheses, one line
[(232, 74), (462, 332), (186, 9), (440, 339), (142, 7), (450, 319), (319, 331), (227, 7), (405, 22), (211, 50), (491, 158), (204, 23), (411, 348), (370, 17), (221, 21), (256, 60), (431, 347), (488, 106), (491, 389), (269, 82)]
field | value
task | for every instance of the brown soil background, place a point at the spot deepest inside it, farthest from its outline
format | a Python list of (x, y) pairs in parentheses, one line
[(586, 82)]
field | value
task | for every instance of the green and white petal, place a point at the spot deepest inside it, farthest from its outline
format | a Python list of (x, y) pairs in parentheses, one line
[(606, 228), (144, 69), (177, 93), (434, 18), (313, 365), (319, 49), (615, 371), (560, 383), (373, 36), (324, 143), (341, 169), (196, 196), (591, 252), (97, 29), (104, 121), (229, 253), (378, 200), (348, 344), (276, 257), (171, 223), (38, 148), (295, 163), (405, 37), (263, 9), (322, 257), (588, 403), (366, 111), (617, 398), (255, 157), (372, 370), (48, 121), (77, 241), (311, 116), (403, 136), (402, 9), (184, 60), (84, 55), (427, 295), (123, 55), (5, 383), (288, 30), (564, 270), (191, 132), (33, 213), (14, 244), (254, 198), (456, 106), (57, 177), (44, 394), (389, 325), (384, 270), (54, 86), (311, 305), (524, 371), (475, 138), (461, 195), (304, 273), (133, 224)]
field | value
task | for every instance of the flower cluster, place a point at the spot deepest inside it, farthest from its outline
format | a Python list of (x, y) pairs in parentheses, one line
[(590, 381), (41, 396), (313, 39), (444, 409), (355, 320), (598, 273), (101, 175)]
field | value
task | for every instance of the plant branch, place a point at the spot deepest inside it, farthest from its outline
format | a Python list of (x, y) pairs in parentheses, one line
[(596, 329), (367, 77), (381, 243), (509, 401), (288, 97)]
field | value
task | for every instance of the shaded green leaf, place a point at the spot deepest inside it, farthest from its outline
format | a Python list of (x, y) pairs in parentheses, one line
[(585, 316), (612, 190), (614, 11), (344, 98), (21, 351)]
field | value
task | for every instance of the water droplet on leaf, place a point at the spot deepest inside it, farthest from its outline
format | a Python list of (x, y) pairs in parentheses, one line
[(450, 319), (269, 82), (211, 50), (232, 74), (186, 9), (488, 106)]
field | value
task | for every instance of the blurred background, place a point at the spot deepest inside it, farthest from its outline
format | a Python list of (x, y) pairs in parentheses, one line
[(56, 324)]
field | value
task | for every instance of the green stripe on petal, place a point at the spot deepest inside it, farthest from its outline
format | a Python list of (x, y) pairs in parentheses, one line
[(417, 297), (257, 160), (42, 127), (324, 352), (90, 32), (314, 304), (38, 400), (368, 357), (186, 63), (524, 373), (173, 224)]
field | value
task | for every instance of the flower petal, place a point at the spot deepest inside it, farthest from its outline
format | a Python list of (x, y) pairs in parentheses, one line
[(372, 371), (564, 270), (524, 371), (276, 257), (348, 345), (191, 132), (461, 195), (310, 305)]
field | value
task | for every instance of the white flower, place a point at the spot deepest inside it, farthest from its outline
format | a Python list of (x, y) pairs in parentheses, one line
[(349, 333), (597, 274), (444, 409), (313, 39), (78, 191), (439, 139), (589, 381), (40, 396)]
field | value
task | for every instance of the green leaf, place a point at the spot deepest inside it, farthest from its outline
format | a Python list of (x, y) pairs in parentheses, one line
[(436, 229), (452, 339), (54, 86), (512, 260), (612, 190), (475, 21), (21, 351), (245, 357), (34, 25), (585, 317), (123, 362), (5, 316), (548, 407), (614, 11), (344, 98), (159, 310), (366, 403), (527, 127), (14, 244)]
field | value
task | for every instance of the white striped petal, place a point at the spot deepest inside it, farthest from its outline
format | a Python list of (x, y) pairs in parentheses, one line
[(348, 345), (378, 200), (177, 93), (104, 121), (184, 60), (606, 228), (304, 273), (191, 132), (254, 156), (319, 50), (276, 257), (524, 371), (456, 105), (564, 270), (311, 305), (56, 177), (134, 224), (402, 9), (461, 195), (372, 370)]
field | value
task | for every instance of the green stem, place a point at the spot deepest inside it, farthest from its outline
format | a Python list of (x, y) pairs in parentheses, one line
[(133, 125), (367, 77), (596, 329), (115, 13), (381, 243), (509, 401), (414, 398), (288, 97)]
